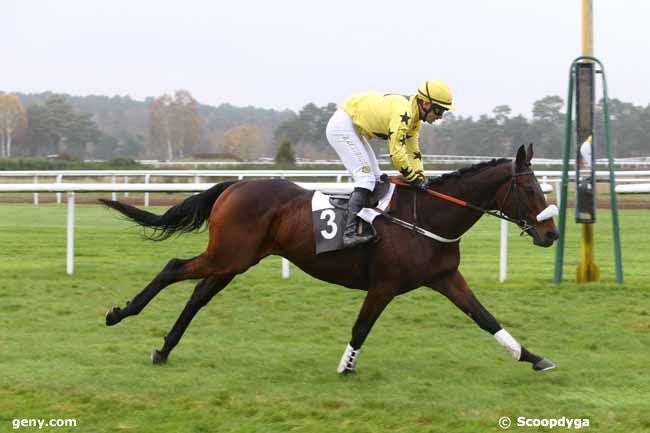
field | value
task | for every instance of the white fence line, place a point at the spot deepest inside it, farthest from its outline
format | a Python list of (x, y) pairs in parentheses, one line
[(240, 174), (384, 158), (71, 188), (629, 176), (639, 188)]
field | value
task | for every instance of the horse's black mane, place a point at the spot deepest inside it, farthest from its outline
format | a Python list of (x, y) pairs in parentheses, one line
[(467, 170)]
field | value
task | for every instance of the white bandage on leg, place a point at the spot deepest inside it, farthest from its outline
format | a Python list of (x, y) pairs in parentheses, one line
[(349, 360), (506, 340)]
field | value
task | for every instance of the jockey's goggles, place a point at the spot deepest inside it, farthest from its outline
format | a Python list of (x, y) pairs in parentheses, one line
[(438, 110)]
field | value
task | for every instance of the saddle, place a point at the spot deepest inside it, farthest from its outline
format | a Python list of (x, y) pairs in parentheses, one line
[(329, 213), (340, 201)]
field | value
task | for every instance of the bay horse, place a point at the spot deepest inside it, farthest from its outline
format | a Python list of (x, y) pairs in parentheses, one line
[(251, 219)]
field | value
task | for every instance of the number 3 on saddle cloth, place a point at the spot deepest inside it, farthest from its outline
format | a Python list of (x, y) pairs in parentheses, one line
[(329, 211)]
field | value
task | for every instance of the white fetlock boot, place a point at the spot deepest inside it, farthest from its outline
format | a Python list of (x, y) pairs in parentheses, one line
[(348, 361)]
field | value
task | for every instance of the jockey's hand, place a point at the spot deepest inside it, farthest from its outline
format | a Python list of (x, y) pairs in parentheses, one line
[(420, 183)]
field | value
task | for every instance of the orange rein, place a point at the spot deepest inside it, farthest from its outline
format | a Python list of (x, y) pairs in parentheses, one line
[(397, 181)]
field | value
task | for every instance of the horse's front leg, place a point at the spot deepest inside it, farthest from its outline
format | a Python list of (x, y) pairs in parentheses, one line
[(456, 289), (376, 300)]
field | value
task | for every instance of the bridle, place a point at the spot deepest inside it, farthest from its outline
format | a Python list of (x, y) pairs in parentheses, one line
[(519, 220), (514, 186)]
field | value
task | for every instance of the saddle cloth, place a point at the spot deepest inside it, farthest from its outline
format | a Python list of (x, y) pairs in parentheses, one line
[(329, 212)]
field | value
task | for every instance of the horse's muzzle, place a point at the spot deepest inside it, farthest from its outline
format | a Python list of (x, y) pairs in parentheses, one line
[(546, 240)]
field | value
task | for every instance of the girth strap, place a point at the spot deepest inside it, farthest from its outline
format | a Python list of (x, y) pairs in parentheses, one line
[(415, 228)]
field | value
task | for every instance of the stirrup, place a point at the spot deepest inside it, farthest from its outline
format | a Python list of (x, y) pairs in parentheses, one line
[(356, 238)]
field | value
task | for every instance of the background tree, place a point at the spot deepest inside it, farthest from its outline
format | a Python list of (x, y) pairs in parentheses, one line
[(186, 123), (12, 119), (630, 129), (174, 125), (285, 155), (307, 130), (160, 135), (126, 128), (290, 130), (56, 128), (502, 114), (245, 141), (547, 127)]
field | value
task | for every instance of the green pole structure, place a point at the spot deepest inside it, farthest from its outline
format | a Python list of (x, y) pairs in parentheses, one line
[(559, 256), (559, 252), (612, 183)]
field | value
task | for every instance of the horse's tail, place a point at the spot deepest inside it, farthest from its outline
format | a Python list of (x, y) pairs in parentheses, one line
[(187, 216)]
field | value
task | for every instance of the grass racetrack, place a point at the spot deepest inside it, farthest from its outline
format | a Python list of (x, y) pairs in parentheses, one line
[(261, 357)]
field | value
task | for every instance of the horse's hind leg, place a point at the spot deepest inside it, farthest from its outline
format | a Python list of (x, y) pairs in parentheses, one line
[(456, 289), (176, 270), (203, 293), (376, 300)]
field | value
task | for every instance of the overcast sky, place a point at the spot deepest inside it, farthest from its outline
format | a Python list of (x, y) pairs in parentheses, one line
[(283, 54)]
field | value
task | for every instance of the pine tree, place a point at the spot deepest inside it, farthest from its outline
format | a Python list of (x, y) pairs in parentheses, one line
[(285, 154)]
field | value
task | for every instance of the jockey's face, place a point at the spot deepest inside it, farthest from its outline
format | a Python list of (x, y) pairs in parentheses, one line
[(433, 112)]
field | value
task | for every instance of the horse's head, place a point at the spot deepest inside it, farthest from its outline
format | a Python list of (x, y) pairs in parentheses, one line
[(522, 199)]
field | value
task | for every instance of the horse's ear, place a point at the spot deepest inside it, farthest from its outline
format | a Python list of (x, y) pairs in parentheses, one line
[(529, 153), (521, 156)]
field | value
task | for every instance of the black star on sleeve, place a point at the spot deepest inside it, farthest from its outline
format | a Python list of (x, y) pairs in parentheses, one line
[(390, 133), (405, 117), (417, 155), (402, 140), (405, 172)]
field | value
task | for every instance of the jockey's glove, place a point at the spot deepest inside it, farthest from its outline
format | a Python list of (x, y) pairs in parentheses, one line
[(420, 183)]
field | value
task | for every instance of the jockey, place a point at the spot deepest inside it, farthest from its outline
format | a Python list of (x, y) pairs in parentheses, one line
[(391, 117)]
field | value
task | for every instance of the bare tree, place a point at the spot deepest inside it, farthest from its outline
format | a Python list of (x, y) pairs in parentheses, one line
[(12, 118), (160, 136), (175, 123)]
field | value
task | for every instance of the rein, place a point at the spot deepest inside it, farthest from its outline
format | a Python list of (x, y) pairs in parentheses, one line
[(519, 221)]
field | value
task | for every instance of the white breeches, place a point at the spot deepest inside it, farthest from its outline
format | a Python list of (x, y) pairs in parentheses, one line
[(353, 149)]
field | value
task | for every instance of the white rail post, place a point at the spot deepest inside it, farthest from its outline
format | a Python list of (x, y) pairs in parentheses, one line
[(70, 235), (285, 268), (503, 263), (146, 194), (114, 193), (126, 180), (35, 194), (197, 179), (59, 179)]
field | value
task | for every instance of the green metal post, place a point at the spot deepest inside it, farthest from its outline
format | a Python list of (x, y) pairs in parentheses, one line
[(559, 256), (559, 251), (612, 183)]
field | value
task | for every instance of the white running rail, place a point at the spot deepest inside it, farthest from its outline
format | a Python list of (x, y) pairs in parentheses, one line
[(72, 188)]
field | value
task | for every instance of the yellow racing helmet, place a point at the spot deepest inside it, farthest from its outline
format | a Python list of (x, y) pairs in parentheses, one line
[(436, 92)]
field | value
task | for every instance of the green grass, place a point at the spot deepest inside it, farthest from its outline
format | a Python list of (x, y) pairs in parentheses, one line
[(261, 357)]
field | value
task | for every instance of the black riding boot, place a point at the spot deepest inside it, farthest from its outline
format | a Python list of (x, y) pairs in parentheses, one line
[(358, 200)]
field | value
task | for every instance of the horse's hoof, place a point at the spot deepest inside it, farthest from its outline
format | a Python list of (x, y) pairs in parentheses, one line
[(157, 357), (543, 365), (113, 316), (347, 372)]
